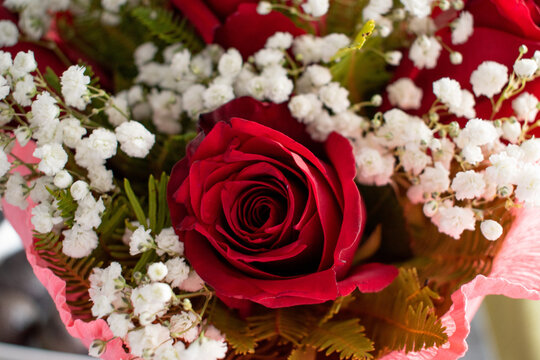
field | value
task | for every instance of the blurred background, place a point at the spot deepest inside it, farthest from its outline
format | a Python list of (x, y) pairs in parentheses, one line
[(30, 328)]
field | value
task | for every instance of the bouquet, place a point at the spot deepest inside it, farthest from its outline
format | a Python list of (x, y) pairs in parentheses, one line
[(285, 179)]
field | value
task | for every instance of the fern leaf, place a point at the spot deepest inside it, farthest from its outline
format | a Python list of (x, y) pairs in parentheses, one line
[(66, 204), (402, 316), (292, 324), (162, 24), (346, 337), (303, 353), (237, 330)]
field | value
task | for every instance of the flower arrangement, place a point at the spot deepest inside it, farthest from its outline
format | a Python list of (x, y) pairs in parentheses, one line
[(297, 179)]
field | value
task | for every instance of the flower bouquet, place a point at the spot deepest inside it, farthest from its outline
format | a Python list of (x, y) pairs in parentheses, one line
[(286, 179)]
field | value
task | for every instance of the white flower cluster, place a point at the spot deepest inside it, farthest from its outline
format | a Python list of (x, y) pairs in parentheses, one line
[(316, 8), (139, 314), (496, 160), (35, 18)]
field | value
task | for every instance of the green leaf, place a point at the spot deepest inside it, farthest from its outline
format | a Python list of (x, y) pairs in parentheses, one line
[(163, 211), (147, 257), (163, 24), (292, 324), (345, 337), (237, 330), (303, 353), (135, 204), (152, 202), (66, 204), (402, 316), (52, 79)]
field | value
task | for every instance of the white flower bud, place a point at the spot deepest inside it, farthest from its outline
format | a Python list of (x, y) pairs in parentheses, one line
[(157, 271), (264, 8), (79, 190), (525, 68), (456, 58), (430, 208), (62, 179), (491, 229)]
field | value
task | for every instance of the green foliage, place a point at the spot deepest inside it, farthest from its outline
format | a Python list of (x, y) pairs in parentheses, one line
[(52, 79), (345, 337), (291, 324), (237, 330), (74, 272), (65, 203), (447, 263), (168, 150), (163, 24), (402, 316), (344, 16)]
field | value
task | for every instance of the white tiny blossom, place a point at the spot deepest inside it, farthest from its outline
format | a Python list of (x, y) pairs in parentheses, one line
[(477, 132), (101, 178), (177, 271), (117, 110), (335, 97), (468, 185), (425, 52), (413, 159), (417, 8), (404, 94), (79, 190), (140, 241), (454, 220), (24, 90), (217, 95), (316, 8), (280, 40), (448, 91), (151, 298), (422, 26), (157, 271), (511, 131), (472, 154), (62, 179), (401, 128), (489, 78), (525, 68), (102, 305), (528, 185), (375, 9), (120, 324), (44, 110), (462, 28), (9, 34), (184, 326), (53, 158), (23, 64), (4, 87), (103, 143), (145, 53), (435, 179), (318, 75), (526, 107), (23, 135), (278, 89), (503, 169), (466, 105), (205, 349), (347, 123), (39, 192), (230, 63), (430, 208), (79, 242), (74, 89), (192, 101), (72, 131), (456, 58), (134, 139), (264, 8), (14, 193), (147, 339), (267, 57), (331, 44), (167, 108), (308, 48), (5, 165), (43, 218), (88, 213), (531, 150), (374, 166), (491, 229), (393, 57), (5, 61), (168, 242)]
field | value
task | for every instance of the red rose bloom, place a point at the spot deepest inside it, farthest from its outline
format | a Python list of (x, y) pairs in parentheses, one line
[(500, 28), (235, 23), (268, 215)]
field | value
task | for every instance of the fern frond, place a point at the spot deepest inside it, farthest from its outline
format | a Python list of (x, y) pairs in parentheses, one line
[(237, 330), (163, 24), (292, 324), (346, 337), (402, 316)]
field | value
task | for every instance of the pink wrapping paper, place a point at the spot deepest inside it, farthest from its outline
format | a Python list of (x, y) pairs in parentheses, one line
[(515, 273)]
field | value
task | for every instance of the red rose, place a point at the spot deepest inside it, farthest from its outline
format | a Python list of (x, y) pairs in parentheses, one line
[(500, 28), (235, 23), (268, 215)]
